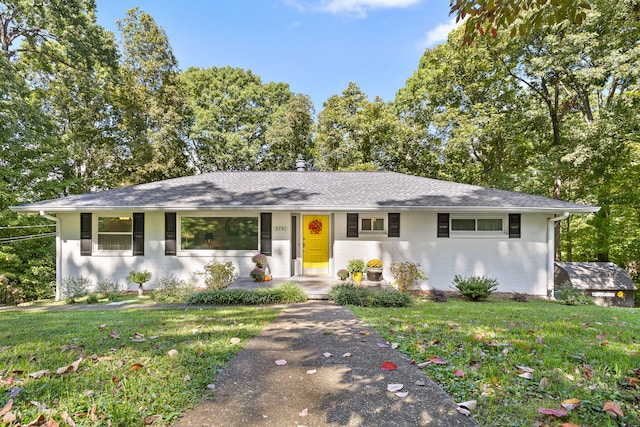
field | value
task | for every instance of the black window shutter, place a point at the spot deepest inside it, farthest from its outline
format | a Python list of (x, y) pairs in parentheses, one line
[(265, 233), (85, 234), (170, 246), (352, 225), (138, 234), (443, 225), (394, 225), (514, 226)]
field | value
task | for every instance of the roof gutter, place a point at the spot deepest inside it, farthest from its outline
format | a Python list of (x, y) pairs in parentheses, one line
[(551, 252), (58, 252)]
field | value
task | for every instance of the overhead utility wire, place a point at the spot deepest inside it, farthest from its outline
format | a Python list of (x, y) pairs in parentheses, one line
[(11, 227), (28, 237)]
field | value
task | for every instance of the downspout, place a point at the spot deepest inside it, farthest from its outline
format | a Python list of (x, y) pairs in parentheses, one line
[(551, 252), (58, 252)]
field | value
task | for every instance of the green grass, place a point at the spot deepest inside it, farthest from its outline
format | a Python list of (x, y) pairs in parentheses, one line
[(119, 381), (587, 352)]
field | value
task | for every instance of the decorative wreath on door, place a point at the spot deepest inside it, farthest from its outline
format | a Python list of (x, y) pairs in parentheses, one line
[(315, 226)]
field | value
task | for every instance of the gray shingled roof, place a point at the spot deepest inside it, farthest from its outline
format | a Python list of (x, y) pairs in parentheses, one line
[(593, 275), (317, 191)]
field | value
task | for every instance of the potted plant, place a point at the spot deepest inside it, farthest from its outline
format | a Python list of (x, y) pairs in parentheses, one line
[(259, 260), (356, 268), (257, 274), (374, 270), (343, 274)]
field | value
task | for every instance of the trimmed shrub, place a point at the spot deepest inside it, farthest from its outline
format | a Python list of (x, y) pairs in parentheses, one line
[(349, 294), (139, 277), (92, 299), (219, 275), (74, 287), (9, 293), (475, 287), (572, 296), (171, 290), (406, 275), (286, 293)]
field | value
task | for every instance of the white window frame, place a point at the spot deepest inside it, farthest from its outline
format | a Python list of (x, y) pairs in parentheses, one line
[(213, 251), (373, 219), (477, 233), (96, 233)]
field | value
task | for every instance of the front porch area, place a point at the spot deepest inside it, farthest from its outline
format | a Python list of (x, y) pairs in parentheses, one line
[(317, 288)]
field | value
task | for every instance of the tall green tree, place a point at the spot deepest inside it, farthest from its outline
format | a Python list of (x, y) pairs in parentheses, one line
[(151, 104), (290, 135), (233, 111)]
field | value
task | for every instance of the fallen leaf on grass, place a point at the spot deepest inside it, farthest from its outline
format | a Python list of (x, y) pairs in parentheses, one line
[(67, 419), (40, 420), (6, 407), (458, 373), (304, 412), (8, 418), (569, 425), (571, 404), (172, 353), (235, 340), (389, 366), (613, 408), (151, 419), (281, 362), (70, 368), (633, 382), (556, 412), (588, 371), (114, 335), (394, 345), (101, 327), (39, 374), (211, 386), (394, 387), (138, 337), (465, 408), (544, 383), (135, 367)]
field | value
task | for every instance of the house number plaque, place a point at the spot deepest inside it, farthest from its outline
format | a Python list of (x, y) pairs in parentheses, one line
[(280, 228)]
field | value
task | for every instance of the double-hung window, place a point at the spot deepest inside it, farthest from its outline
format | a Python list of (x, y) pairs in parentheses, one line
[(115, 233)]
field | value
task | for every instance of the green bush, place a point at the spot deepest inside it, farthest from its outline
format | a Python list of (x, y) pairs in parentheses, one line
[(92, 299), (219, 275), (74, 287), (108, 288), (171, 290), (286, 293), (349, 294), (406, 275), (9, 293), (475, 287), (572, 296)]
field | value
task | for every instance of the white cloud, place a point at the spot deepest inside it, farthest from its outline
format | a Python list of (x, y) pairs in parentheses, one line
[(358, 8), (438, 34)]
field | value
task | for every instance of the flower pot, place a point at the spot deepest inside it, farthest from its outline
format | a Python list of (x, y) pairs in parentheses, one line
[(374, 274), (356, 277)]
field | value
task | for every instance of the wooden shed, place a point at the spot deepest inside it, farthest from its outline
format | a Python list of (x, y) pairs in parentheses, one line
[(608, 284)]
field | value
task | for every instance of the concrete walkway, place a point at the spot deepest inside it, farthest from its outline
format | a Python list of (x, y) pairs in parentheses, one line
[(332, 377)]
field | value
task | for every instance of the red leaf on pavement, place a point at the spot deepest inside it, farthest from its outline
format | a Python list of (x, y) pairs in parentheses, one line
[(557, 412), (389, 366), (613, 408)]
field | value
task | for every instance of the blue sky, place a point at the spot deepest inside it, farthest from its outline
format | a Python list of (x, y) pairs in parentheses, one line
[(316, 46)]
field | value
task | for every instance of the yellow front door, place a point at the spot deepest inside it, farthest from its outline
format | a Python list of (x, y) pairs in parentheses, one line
[(315, 253)]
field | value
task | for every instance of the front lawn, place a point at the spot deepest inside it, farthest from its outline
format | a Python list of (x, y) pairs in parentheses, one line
[(120, 367), (517, 358)]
